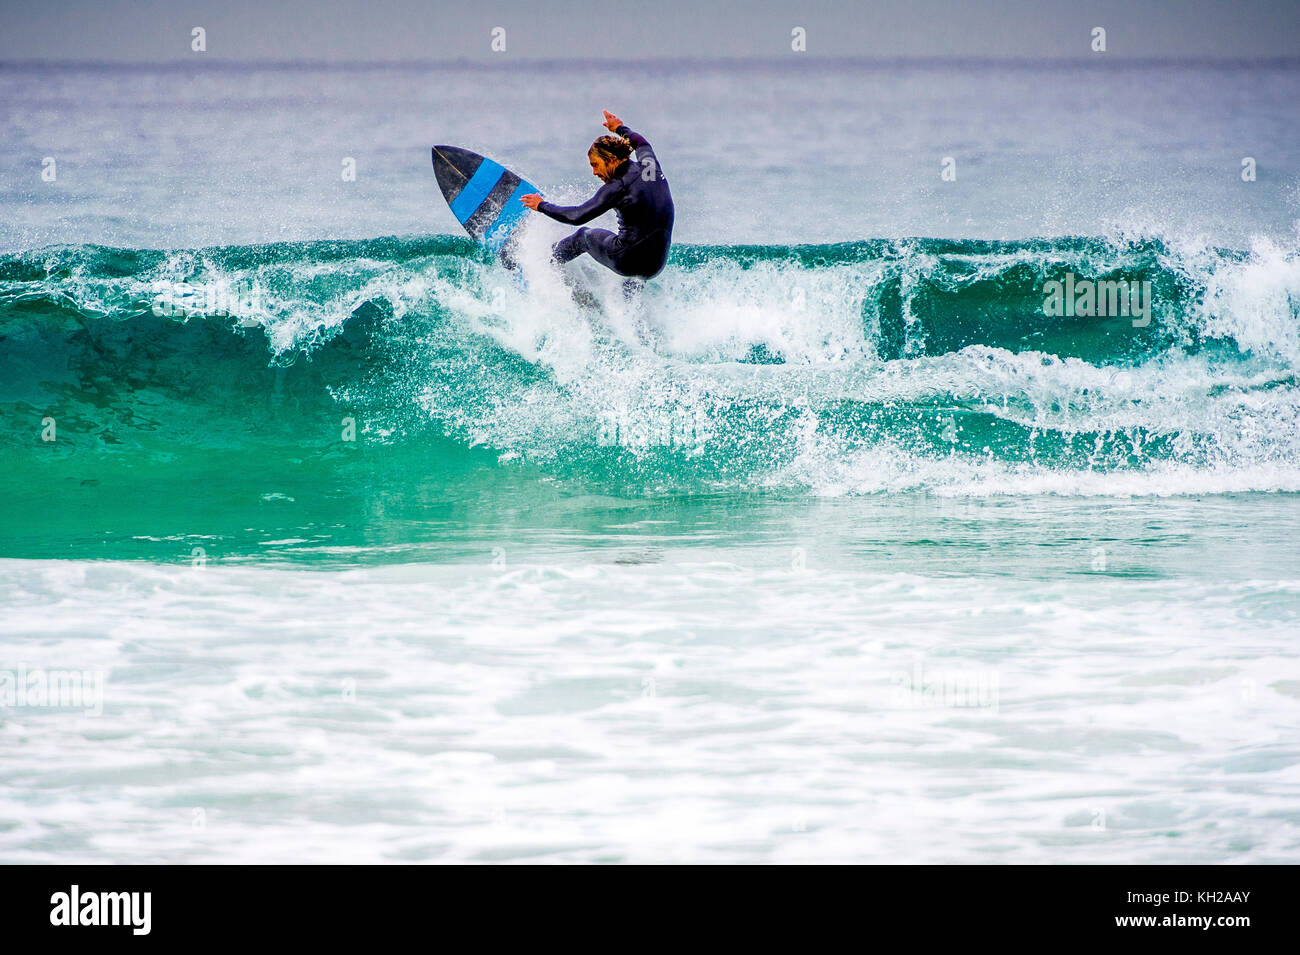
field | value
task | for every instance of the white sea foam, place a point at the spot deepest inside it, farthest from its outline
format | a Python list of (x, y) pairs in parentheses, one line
[(687, 710)]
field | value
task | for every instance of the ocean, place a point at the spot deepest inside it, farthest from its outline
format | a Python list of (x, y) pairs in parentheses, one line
[(325, 539)]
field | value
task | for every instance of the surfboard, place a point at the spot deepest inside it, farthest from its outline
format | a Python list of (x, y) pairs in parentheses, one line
[(482, 194)]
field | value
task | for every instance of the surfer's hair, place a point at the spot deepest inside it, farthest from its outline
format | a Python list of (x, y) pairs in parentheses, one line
[(611, 148)]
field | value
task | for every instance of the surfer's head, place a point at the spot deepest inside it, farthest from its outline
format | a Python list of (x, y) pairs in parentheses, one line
[(607, 154)]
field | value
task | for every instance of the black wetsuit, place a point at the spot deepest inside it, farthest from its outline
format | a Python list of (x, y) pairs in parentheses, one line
[(639, 196)]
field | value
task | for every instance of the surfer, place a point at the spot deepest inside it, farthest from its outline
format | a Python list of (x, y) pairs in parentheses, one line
[(639, 196)]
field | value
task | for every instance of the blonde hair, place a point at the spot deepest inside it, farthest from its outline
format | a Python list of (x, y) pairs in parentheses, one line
[(614, 148)]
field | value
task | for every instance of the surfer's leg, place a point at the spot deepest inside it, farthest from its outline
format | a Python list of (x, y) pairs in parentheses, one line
[(601, 244), (605, 248), (570, 247)]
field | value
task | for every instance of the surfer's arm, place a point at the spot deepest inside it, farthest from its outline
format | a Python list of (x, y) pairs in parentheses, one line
[(600, 203), (638, 141), (644, 151)]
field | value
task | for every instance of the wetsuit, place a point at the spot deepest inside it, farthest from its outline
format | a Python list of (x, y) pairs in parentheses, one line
[(639, 196)]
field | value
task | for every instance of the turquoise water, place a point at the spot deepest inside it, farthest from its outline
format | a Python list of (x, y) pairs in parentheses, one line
[(832, 546)]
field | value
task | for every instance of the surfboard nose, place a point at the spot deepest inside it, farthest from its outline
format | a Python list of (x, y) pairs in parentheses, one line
[(482, 194), (453, 167)]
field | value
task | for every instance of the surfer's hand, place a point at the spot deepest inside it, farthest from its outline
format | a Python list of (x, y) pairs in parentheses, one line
[(532, 200), (612, 122)]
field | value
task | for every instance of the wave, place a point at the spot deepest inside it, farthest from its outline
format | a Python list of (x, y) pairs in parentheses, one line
[(848, 368)]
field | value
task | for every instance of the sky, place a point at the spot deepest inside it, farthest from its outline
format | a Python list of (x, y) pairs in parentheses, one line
[(160, 31)]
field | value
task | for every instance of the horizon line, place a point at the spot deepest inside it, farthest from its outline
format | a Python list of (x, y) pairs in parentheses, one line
[(493, 60)]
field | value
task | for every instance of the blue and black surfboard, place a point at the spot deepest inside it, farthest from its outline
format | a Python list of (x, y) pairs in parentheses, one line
[(483, 195)]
